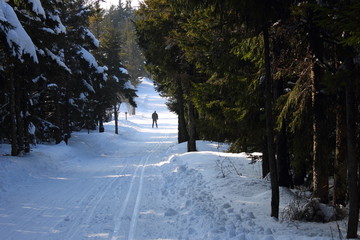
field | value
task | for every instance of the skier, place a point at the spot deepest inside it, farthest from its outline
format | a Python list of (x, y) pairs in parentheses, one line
[(155, 117)]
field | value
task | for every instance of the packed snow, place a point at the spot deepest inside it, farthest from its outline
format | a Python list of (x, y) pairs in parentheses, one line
[(141, 184)]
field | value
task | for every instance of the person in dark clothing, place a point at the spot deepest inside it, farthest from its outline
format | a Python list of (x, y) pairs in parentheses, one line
[(155, 117)]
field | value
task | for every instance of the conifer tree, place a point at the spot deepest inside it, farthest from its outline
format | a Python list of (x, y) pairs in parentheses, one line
[(338, 18), (165, 60), (259, 19), (115, 87), (43, 23), (86, 74)]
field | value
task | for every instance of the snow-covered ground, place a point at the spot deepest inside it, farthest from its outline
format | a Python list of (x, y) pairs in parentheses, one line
[(140, 184)]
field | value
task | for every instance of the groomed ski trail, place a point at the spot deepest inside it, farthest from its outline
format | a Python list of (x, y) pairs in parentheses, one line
[(102, 185)]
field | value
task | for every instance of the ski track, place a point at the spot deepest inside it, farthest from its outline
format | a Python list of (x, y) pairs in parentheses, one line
[(135, 195), (93, 205), (101, 190), (90, 196)]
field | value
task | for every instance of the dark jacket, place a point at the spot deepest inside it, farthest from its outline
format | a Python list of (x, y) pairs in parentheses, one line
[(155, 116)]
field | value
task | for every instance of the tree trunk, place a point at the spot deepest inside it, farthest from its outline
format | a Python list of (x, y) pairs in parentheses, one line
[(282, 151), (116, 119), (352, 162), (26, 124), (58, 135), (339, 196), (101, 124), (192, 129), (191, 144), (14, 141), (275, 198), (265, 159), (183, 135), (320, 165), (66, 112), (19, 116), (283, 158)]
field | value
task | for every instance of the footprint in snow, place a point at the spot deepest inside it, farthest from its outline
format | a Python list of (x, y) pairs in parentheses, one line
[(268, 238), (170, 212), (226, 205), (250, 215)]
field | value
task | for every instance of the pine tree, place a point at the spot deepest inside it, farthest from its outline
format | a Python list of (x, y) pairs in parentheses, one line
[(165, 61), (86, 74), (117, 75), (339, 19), (259, 19), (43, 24)]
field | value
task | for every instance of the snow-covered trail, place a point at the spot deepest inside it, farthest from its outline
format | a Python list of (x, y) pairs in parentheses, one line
[(105, 189), (141, 185)]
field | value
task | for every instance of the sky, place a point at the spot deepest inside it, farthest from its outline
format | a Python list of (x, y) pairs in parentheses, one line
[(108, 3)]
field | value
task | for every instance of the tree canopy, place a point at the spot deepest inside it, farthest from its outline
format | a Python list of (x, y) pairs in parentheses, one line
[(279, 77)]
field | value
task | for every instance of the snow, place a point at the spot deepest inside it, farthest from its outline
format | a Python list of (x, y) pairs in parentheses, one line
[(123, 70), (37, 7), (52, 85), (87, 56), (88, 86), (17, 38), (82, 96), (60, 28), (32, 129), (92, 37), (116, 79), (128, 85), (58, 60), (141, 184)]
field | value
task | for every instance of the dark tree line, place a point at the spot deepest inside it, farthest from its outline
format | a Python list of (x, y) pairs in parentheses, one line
[(280, 77), (56, 76)]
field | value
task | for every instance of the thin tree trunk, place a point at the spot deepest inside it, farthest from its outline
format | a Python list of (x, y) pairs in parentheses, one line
[(283, 158), (183, 135), (265, 159), (320, 165), (339, 196), (352, 162), (191, 144), (14, 141), (66, 112), (275, 196), (192, 128), (19, 116), (282, 151), (101, 124), (58, 114), (116, 119), (26, 124)]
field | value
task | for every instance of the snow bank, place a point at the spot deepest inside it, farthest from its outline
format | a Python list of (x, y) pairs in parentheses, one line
[(203, 204), (43, 160)]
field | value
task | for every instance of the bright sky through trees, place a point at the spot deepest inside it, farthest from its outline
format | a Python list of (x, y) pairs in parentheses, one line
[(108, 3)]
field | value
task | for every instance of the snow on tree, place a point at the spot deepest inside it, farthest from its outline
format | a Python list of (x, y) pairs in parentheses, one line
[(17, 38)]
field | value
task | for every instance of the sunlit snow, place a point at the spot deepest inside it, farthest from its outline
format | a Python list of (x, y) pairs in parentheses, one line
[(141, 184)]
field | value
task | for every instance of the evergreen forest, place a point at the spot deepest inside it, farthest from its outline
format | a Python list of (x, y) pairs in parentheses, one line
[(278, 77), (64, 66)]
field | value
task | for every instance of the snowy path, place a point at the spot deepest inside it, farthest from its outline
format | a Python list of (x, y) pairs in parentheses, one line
[(101, 199), (141, 185), (103, 190)]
